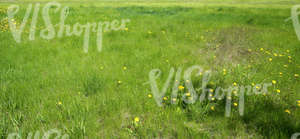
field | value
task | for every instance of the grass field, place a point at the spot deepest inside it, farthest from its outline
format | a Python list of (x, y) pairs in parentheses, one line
[(47, 84)]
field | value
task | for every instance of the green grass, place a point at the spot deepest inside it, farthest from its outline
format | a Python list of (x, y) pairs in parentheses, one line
[(36, 75)]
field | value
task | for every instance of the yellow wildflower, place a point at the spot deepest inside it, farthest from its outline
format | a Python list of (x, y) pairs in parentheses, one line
[(211, 90), (124, 68), (136, 119), (59, 103), (296, 75), (174, 99), (290, 57), (288, 51), (275, 54), (213, 99), (234, 83), (188, 94), (270, 59), (273, 81), (250, 50), (280, 73), (149, 95), (165, 98), (119, 82), (235, 104), (287, 111), (285, 66), (180, 87), (212, 108), (277, 90), (261, 49), (252, 84), (126, 29)]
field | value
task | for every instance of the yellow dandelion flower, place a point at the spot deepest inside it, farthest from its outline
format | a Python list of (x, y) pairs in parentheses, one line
[(275, 54), (273, 81), (290, 57), (224, 70), (261, 49), (280, 73), (285, 66), (270, 59), (126, 29), (212, 108), (280, 55), (174, 99), (180, 87), (210, 95), (187, 81), (119, 82), (234, 83), (298, 101), (165, 98), (235, 104), (252, 84), (211, 90), (59, 103), (296, 75), (235, 92), (124, 68), (287, 51), (298, 104), (213, 99), (188, 94), (287, 111), (277, 90), (149, 95), (136, 119), (257, 87)]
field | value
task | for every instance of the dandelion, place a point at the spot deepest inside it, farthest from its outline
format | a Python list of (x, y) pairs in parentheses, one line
[(180, 87), (252, 84), (285, 66), (287, 51), (188, 94), (59, 103), (275, 54), (273, 81), (257, 87), (187, 81), (224, 70), (289, 57), (261, 49), (165, 98), (298, 104), (212, 108), (280, 55), (211, 90), (235, 92), (210, 95), (250, 50), (149, 96), (126, 29), (234, 83), (280, 73), (174, 99), (213, 99), (270, 59), (119, 82), (296, 75), (277, 90), (298, 101), (235, 104), (136, 119), (287, 111), (124, 68)]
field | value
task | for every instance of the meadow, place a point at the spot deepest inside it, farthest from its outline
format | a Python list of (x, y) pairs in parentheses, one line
[(54, 83)]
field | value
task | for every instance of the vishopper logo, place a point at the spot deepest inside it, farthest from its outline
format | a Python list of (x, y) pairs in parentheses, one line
[(203, 91), (49, 31), (295, 12)]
